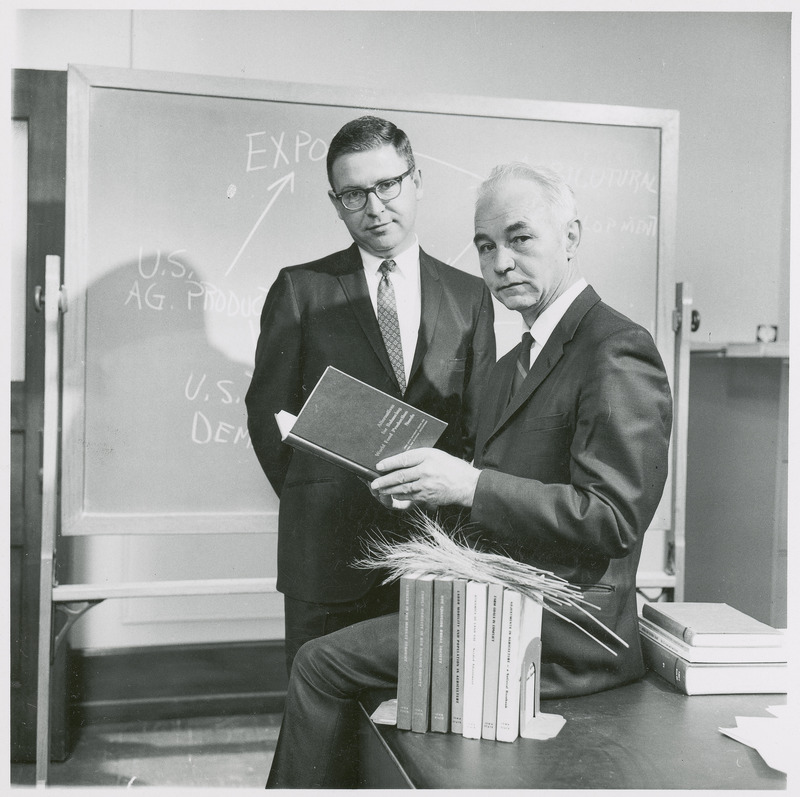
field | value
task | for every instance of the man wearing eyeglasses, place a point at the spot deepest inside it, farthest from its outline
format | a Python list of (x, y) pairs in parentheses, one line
[(389, 314)]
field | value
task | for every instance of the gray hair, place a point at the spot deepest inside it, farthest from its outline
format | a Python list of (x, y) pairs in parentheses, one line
[(556, 191)]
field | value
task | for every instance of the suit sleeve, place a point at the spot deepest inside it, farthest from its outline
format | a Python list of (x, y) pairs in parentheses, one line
[(482, 361), (618, 456), (277, 378)]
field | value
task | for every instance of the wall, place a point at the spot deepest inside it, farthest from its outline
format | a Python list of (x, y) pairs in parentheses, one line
[(738, 442), (727, 73)]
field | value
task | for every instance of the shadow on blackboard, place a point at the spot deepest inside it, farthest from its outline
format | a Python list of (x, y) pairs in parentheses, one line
[(165, 420)]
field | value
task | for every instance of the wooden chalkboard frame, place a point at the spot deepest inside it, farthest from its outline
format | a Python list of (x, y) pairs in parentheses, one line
[(84, 80)]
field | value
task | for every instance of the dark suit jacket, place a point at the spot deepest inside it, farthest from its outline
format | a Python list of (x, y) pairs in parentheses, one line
[(573, 471), (320, 314)]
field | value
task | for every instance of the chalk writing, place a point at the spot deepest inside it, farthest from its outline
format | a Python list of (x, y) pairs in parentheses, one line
[(157, 274), (595, 177), (304, 146), (160, 279), (632, 225), (221, 389), (176, 268), (151, 299), (206, 430), (225, 302), (642, 225)]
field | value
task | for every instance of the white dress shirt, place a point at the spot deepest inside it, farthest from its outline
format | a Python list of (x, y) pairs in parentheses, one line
[(544, 325), (406, 284)]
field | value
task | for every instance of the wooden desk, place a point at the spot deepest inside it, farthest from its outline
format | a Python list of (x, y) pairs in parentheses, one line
[(642, 736)]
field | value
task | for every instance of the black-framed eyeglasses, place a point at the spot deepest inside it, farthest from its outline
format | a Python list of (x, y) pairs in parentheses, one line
[(385, 190)]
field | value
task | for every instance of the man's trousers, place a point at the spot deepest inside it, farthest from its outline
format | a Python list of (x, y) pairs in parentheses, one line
[(317, 746), (305, 621)]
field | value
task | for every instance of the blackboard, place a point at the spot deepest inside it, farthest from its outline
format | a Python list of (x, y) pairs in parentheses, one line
[(185, 196)]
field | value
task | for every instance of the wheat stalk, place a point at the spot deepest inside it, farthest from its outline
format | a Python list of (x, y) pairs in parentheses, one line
[(431, 550)]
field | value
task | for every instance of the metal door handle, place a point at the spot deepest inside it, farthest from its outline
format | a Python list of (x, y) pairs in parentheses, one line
[(39, 299)]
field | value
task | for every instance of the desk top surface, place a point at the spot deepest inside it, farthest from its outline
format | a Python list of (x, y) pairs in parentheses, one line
[(645, 735)]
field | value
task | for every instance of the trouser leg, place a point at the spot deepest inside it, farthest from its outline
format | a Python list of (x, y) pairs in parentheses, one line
[(305, 621), (317, 745)]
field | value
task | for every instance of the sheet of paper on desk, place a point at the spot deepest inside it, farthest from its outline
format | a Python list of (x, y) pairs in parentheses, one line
[(768, 735), (386, 713)]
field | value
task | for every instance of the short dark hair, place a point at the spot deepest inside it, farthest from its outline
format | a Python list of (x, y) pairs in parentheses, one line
[(364, 134)]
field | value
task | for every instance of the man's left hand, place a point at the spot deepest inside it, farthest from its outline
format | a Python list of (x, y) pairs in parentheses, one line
[(429, 477)]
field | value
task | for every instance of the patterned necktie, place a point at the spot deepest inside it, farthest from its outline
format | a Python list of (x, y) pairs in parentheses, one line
[(523, 363), (387, 321)]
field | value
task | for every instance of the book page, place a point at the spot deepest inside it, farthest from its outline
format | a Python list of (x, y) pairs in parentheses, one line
[(285, 421)]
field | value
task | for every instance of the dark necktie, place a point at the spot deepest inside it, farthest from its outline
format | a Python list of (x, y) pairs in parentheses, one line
[(387, 321), (523, 364)]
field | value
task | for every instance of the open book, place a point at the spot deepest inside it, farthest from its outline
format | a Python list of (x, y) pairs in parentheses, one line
[(355, 425)]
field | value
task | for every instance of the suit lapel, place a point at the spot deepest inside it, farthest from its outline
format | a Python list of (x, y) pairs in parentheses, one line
[(552, 352), (354, 285), (430, 286)]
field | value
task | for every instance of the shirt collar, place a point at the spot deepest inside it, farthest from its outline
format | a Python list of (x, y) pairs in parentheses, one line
[(407, 261), (544, 325)]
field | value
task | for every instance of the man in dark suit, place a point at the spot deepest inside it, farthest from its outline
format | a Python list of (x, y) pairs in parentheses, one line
[(339, 311), (570, 464)]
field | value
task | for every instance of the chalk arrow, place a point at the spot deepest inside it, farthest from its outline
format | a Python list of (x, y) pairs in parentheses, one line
[(278, 185)]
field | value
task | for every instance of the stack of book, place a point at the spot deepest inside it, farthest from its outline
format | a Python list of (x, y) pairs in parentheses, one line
[(469, 658), (712, 649)]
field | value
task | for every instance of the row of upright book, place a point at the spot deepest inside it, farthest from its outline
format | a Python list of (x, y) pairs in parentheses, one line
[(469, 658), (713, 648)]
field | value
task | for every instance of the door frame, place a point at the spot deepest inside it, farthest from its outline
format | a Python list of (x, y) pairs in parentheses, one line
[(40, 99)]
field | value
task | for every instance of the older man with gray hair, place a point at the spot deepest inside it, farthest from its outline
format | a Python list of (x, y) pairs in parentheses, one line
[(570, 464)]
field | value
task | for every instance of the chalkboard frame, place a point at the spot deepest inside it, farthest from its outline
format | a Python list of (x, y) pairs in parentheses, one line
[(84, 80)]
